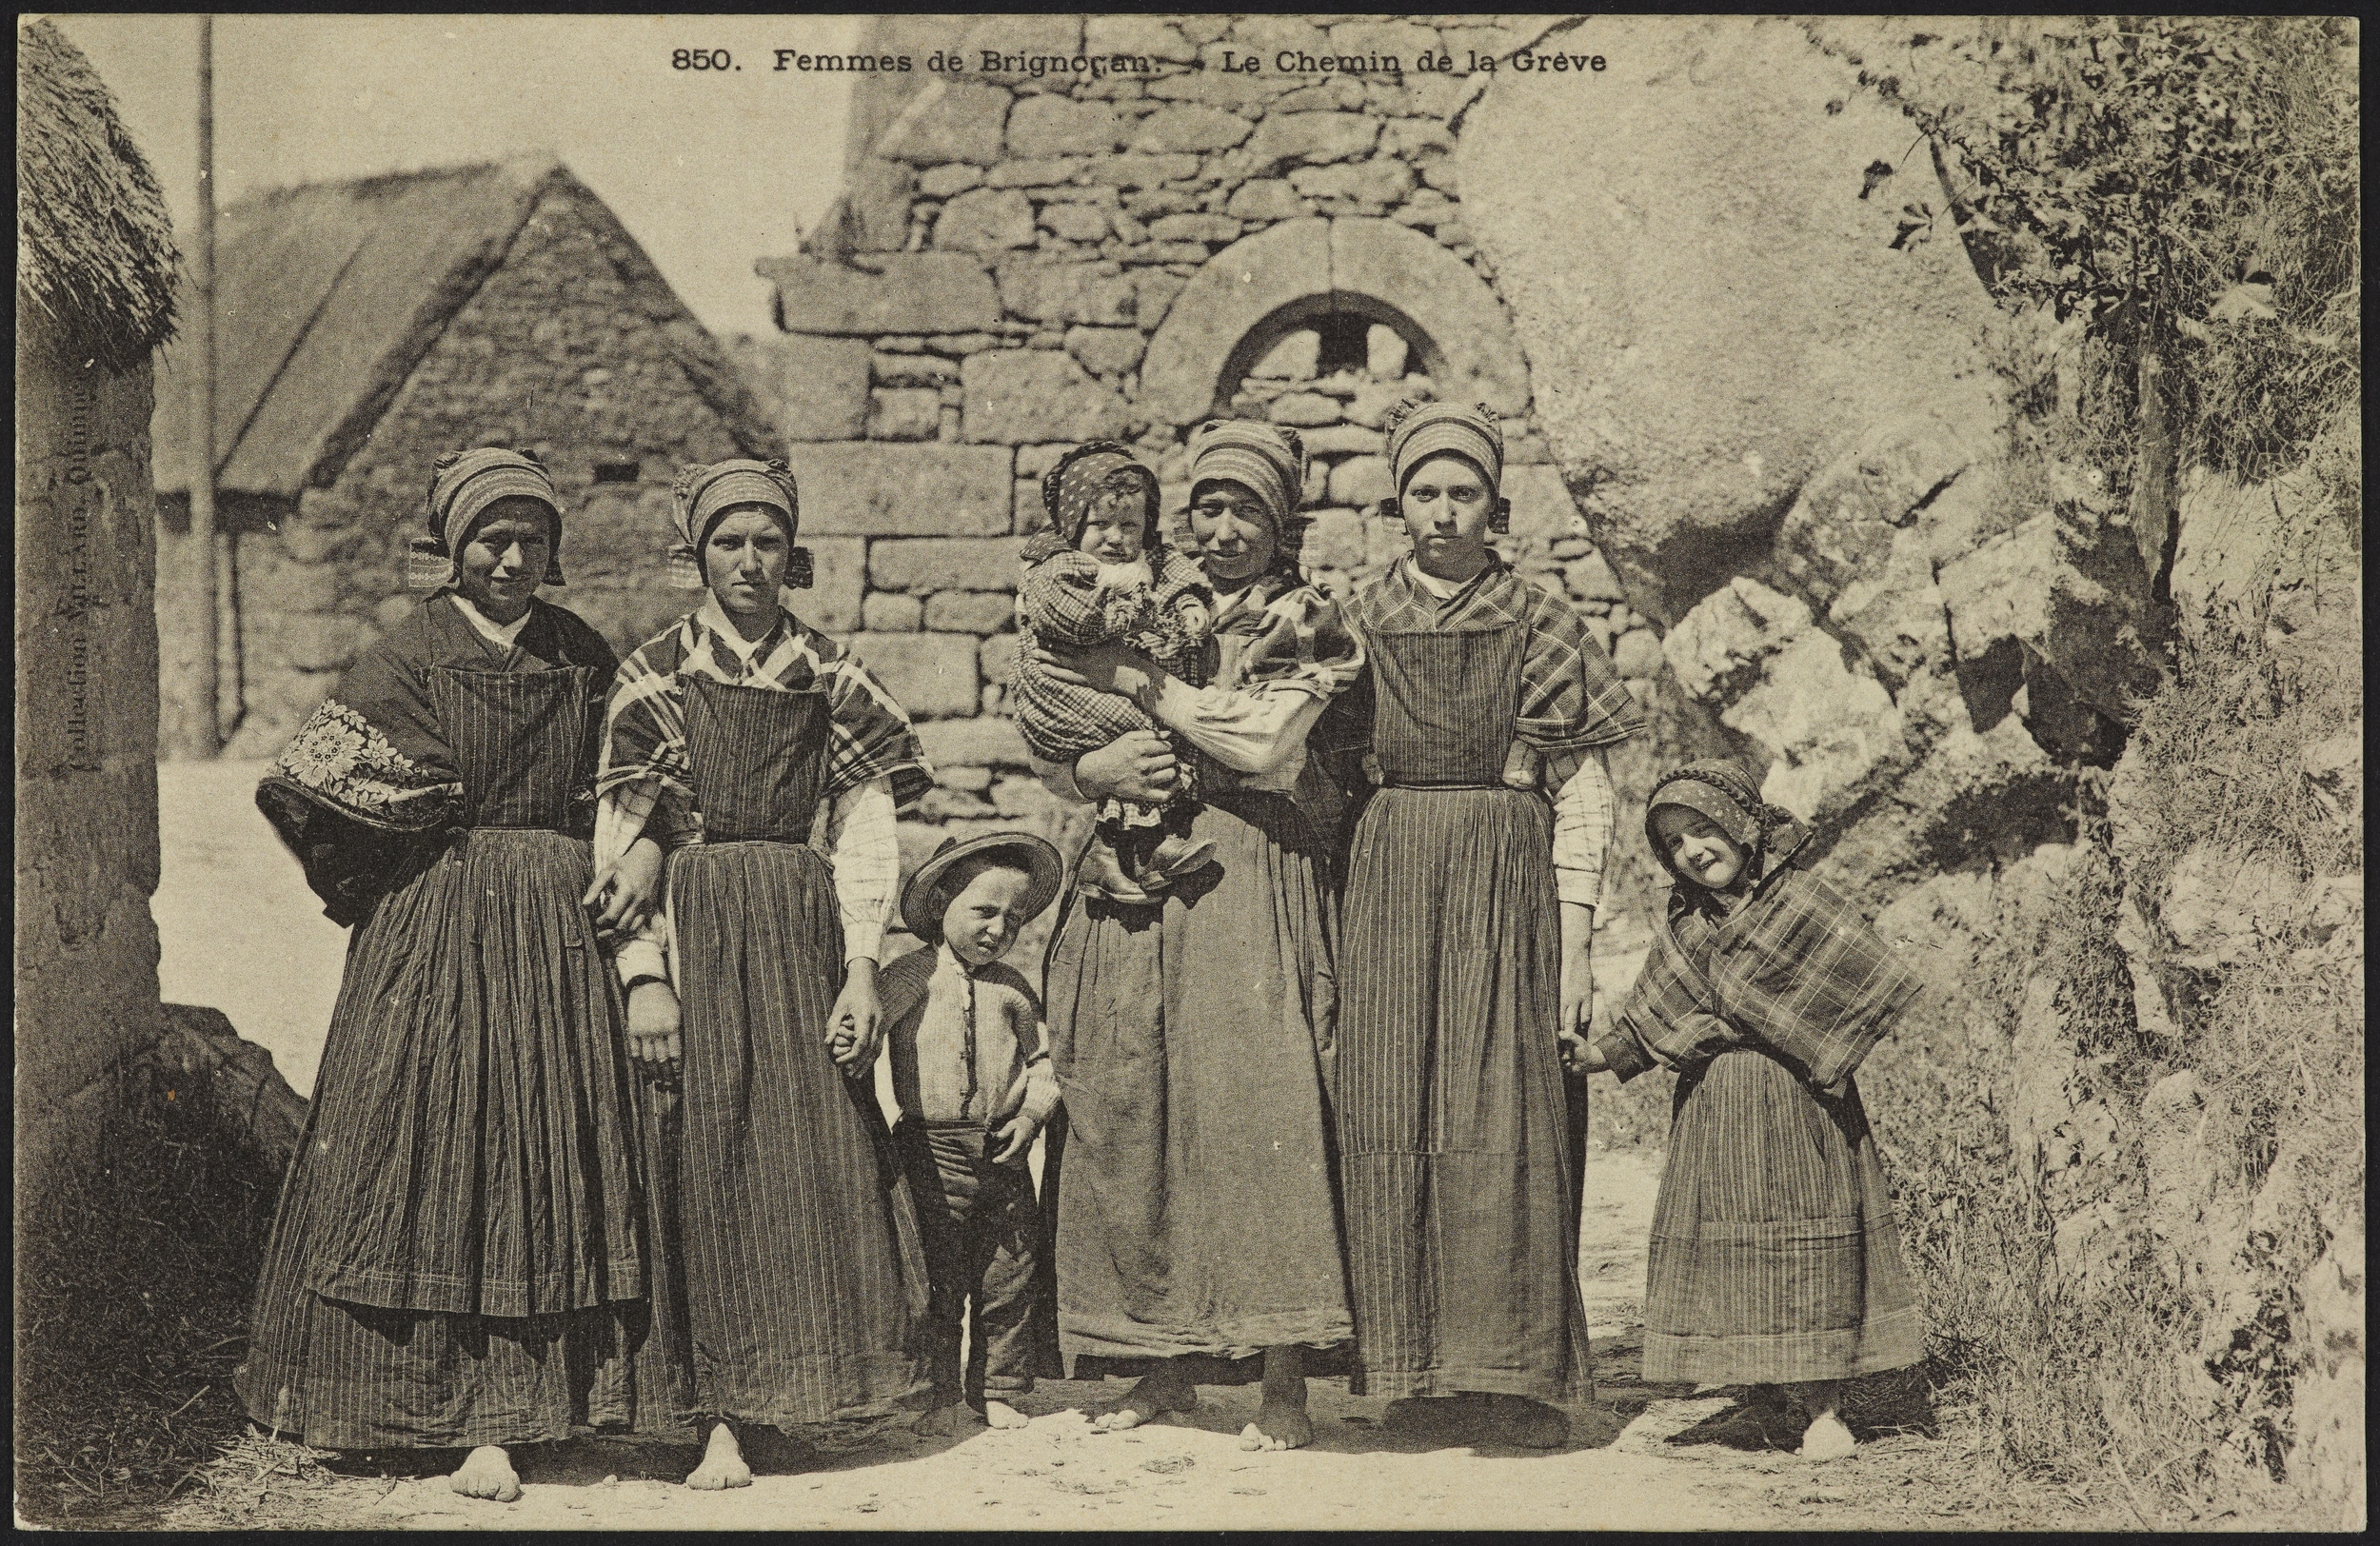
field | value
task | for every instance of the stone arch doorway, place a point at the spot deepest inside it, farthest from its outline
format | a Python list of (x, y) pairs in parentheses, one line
[(1264, 286)]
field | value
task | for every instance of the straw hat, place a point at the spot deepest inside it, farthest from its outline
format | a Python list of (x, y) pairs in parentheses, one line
[(923, 901)]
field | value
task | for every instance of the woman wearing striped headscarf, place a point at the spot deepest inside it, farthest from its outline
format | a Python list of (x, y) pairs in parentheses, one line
[(1460, 1141), (1196, 1223), (463, 1256), (766, 763)]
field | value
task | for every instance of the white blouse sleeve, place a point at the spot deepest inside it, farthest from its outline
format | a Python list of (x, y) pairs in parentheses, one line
[(861, 840), (619, 819), (1252, 730), (1585, 815)]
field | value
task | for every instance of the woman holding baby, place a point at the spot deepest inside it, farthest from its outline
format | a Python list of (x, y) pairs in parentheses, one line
[(1192, 1000)]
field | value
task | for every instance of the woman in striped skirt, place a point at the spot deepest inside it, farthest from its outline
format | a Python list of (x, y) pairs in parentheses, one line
[(1776, 1254), (463, 1257), (767, 764), (1460, 1141), (1191, 1029)]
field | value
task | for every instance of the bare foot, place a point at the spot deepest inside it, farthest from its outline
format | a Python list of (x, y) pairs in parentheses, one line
[(1826, 1438), (486, 1472), (1281, 1420), (1530, 1424), (1164, 1390), (722, 1463), (1000, 1415), (942, 1421)]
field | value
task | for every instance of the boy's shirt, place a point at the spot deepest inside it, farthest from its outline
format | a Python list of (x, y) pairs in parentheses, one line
[(929, 998)]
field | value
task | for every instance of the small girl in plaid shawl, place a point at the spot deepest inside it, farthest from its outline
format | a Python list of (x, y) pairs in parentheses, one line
[(1776, 1254), (1105, 574)]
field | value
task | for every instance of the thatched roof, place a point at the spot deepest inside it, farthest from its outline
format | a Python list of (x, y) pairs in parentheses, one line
[(94, 243), (329, 295)]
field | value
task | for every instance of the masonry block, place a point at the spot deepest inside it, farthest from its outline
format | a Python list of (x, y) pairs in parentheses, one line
[(932, 674), (870, 488)]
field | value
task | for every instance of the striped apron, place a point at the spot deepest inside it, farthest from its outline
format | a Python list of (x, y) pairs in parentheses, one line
[(806, 1281), (462, 1253), (1460, 1142)]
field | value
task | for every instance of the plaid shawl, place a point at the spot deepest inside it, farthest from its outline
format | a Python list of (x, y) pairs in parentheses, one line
[(370, 773), (1571, 697), (1796, 968), (1057, 606), (870, 735)]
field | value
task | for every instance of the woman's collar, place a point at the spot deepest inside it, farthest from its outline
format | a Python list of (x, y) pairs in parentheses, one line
[(1446, 591), (504, 635), (714, 616)]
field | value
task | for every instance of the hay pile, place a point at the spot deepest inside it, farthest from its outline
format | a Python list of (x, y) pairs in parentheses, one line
[(95, 250)]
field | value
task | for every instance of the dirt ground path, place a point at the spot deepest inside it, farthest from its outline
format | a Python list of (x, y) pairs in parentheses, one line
[(240, 933)]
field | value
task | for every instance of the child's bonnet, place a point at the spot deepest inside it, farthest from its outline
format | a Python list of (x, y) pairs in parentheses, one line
[(1794, 966)]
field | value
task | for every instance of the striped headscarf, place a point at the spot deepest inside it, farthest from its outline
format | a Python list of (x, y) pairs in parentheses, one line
[(1085, 473), (1417, 433), (703, 493), (1268, 460), (462, 485)]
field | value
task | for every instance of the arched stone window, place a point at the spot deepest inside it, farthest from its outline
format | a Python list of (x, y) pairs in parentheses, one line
[(1326, 325)]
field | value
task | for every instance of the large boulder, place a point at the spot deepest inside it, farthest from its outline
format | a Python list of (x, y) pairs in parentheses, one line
[(1713, 281)]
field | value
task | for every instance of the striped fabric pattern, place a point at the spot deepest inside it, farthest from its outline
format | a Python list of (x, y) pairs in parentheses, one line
[(752, 754), (805, 1273), (1458, 1134), (463, 1254), (1776, 1252), (1455, 1119), (1568, 695), (806, 1281)]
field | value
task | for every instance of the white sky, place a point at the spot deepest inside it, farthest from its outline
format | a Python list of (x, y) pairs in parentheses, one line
[(708, 170)]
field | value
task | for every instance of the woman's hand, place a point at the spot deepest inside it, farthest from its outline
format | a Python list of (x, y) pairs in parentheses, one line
[(653, 1023), (626, 892), (1108, 667), (1137, 765), (855, 1027), (1578, 990), (1016, 1135)]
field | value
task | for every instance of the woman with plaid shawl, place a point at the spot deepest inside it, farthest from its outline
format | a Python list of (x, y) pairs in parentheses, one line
[(1465, 977), (1775, 1256), (767, 764)]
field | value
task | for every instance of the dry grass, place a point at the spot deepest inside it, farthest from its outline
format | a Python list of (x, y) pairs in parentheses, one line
[(132, 1280), (2100, 1393)]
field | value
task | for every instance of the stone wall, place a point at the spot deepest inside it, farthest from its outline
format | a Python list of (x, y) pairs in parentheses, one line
[(1020, 265), (556, 351), (85, 738)]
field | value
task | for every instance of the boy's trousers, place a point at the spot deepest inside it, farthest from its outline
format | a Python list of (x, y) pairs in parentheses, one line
[(981, 1229)]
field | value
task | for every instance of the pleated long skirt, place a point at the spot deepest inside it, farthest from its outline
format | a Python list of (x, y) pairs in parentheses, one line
[(1196, 1215), (464, 1254), (806, 1280), (1456, 1129), (1776, 1254)]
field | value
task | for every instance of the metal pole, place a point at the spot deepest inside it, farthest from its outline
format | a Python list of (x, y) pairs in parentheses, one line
[(202, 404)]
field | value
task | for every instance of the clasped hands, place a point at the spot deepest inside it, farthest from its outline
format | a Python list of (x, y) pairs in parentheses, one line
[(623, 900)]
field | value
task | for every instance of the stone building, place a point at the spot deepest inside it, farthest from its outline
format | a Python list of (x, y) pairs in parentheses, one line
[(94, 295), (1693, 262), (365, 327), (1024, 258)]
